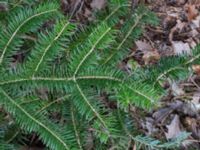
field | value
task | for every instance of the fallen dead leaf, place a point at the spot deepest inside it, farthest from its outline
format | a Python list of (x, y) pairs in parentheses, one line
[(143, 46), (195, 103), (196, 22), (192, 124), (177, 90), (174, 128), (162, 113), (178, 27), (149, 125), (196, 69), (98, 4), (151, 57), (88, 14), (192, 12), (181, 47)]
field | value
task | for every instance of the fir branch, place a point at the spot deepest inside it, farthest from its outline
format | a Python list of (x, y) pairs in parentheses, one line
[(53, 102), (91, 107), (124, 39), (90, 51), (8, 101), (19, 22), (49, 46), (55, 79), (75, 128)]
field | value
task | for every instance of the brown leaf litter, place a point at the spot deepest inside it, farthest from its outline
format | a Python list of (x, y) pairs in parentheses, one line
[(177, 34), (82, 10), (179, 112)]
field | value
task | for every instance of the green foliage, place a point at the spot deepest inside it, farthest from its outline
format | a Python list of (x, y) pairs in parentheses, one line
[(65, 70), (172, 68), (156, 144)]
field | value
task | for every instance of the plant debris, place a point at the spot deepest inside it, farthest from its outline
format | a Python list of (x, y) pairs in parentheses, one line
[(179, 29), (177, 34)]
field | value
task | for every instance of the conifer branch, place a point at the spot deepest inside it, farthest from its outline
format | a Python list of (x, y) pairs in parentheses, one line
[(14, 81), (9, 100), (90, 52), (75, 128), (91, 107), (137, 21), (48, 47), (15, 32)]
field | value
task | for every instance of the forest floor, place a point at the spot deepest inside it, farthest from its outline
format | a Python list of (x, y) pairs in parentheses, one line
[(178, 33)]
